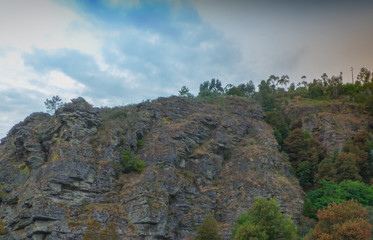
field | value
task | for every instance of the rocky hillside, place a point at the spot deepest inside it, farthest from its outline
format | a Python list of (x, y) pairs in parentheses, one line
[(60, 176), (331, 122)]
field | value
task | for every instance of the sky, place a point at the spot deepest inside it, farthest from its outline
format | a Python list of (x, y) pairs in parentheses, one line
[(114, 52)]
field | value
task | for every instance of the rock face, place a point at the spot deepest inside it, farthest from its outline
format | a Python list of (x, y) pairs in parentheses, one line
[(59, 175), (331, 123)]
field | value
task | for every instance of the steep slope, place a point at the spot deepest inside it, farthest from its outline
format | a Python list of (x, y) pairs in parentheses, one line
[(60, 178), (331, 122)]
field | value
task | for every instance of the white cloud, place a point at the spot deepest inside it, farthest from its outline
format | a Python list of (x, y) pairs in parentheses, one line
[(60, 80), (43, 24)]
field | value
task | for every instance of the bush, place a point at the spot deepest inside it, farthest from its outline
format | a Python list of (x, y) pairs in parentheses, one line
[(130, 164), (264, 221), (140, 143), (241, 220), (331, 192), (309, 210), (208, 230), (249, 231), (342, 221)]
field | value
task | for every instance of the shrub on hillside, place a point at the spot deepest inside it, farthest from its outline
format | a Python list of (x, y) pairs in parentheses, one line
[(331, 192), (264, 220), (208, 230), (341, 221), (130, 163)]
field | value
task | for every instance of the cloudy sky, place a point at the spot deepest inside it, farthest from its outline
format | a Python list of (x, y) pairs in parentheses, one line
[(116, 52)]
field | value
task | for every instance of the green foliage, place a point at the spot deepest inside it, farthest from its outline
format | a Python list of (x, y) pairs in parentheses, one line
[(356, 153), (331, 192), (208, 230), (307, 135), (53, 104), (278, 136), (241, 220), (304, 155), (209, 89), (130, 163), (140, 143), (277, 120), (268, 102), (359, 191), (346, 167), (315, 90), (2, 227), (264, 221), (306, 225), (115, 113), (248, 231), (184, 92), (305, 174), (241, 90), (369, 104), (326, 171), (309, 210)]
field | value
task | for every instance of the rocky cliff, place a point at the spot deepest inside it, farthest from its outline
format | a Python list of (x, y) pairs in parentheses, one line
[(331, 122), (59, 175)]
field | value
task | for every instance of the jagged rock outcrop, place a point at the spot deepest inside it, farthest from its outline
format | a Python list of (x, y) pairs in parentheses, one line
[(332, 123), (59, 175)]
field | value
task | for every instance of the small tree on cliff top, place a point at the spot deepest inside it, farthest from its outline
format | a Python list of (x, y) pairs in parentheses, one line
[(53, 104)]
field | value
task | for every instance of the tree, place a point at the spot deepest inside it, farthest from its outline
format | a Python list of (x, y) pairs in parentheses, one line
[(301, 149), (249, 231), (264, 95), (272, 81), (284, 80), (281, 129), (305, 174), (184, 92), (360, 151), (325, 79), (346, 167), (208, 230), (292, 87), (265, 221), (342, 221), (131, 163), (309, 210), (331, 192), (244, 89), (53, 104), (334, 86), (365, 76), (207, 89), (326, 171)]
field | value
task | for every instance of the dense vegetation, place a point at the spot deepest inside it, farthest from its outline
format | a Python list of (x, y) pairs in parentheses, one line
[(264, 220), (342, 221), (327, 180)]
